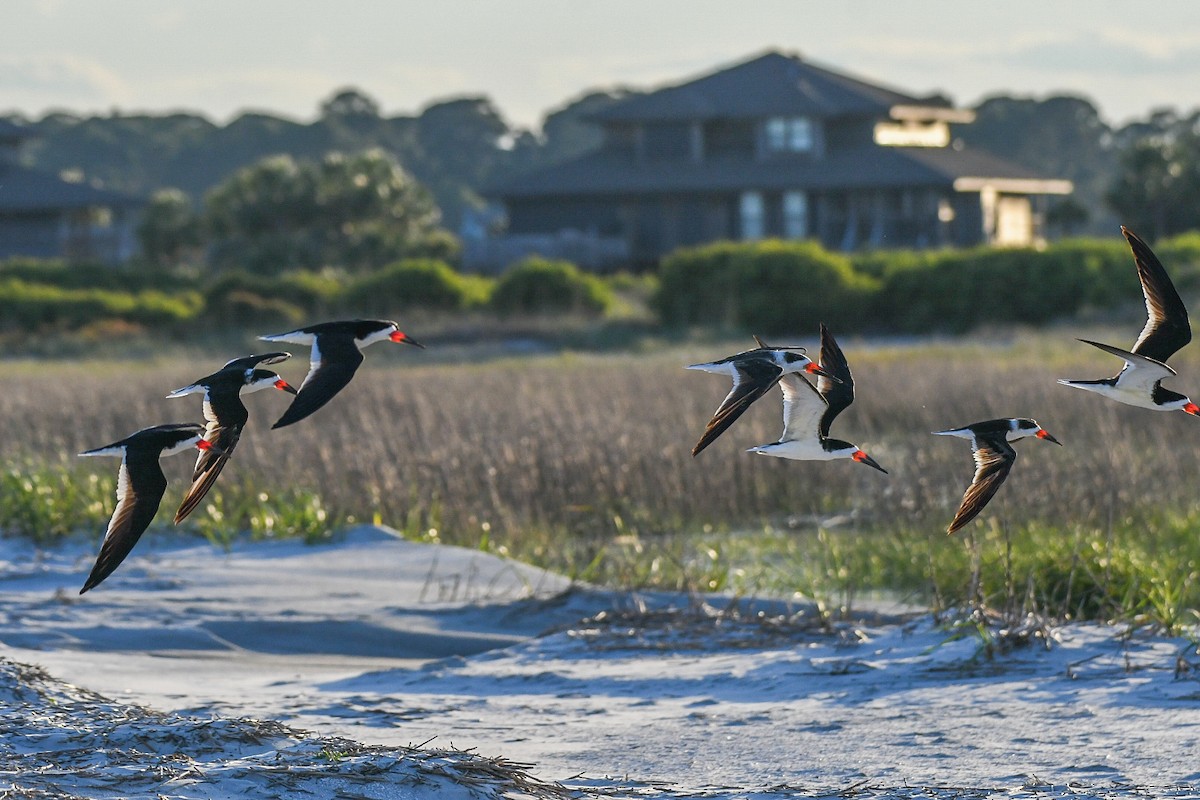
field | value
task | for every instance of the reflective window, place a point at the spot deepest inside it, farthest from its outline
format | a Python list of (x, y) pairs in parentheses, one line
[(789, 134), (795, 215), (753, 216)]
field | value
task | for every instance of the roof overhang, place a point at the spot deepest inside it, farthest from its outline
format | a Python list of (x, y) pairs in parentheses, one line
[(1014, 185), (931, 113)]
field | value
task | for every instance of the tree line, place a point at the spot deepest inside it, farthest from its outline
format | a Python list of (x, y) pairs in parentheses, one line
[(1146, 174), (452, 147)]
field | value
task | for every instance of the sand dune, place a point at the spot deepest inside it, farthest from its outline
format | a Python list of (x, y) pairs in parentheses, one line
[(373, 644)]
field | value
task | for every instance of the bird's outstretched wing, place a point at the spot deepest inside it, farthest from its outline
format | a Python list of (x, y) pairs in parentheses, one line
[(250, 362), (994, 458), (752, 379), (333, 364), (1140, 371), (1167, 327), (803, 408), (837, 395), (224, 438), (140, 488)]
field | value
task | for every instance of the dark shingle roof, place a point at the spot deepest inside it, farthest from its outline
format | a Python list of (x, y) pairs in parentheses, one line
[(771, 84), (12, 132), (24, 189), (858, 168)]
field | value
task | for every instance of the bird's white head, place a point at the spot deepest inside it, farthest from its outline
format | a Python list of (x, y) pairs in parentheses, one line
[(1028, 427), (257, 379)]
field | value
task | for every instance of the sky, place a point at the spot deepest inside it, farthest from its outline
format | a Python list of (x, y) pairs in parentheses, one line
[(285, 57)]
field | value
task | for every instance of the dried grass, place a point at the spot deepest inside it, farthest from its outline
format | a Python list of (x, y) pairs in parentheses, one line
[(576, 460), (63, 741)]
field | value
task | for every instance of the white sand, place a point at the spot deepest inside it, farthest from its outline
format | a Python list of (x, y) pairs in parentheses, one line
[(390, 643)]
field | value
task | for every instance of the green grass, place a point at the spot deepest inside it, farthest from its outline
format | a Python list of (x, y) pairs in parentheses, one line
[(44, 502)]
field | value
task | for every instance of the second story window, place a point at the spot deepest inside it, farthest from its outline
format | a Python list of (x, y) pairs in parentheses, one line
[(789, 134)]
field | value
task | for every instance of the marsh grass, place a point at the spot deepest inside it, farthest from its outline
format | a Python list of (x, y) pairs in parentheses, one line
[(581, 463)]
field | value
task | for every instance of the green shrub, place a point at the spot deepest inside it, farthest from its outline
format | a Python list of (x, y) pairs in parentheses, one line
[(770, 287), (240, 308), (283, 297), (540, 286), (955, 290), (33, 307), (315, 293), (415, 283), (1181, 256), (126, 278)]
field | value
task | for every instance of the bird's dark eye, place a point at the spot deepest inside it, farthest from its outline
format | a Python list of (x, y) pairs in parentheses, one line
[(792, 358)]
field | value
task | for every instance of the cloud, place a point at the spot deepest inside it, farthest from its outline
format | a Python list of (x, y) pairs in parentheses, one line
[(1089, 53), (1124, 72), (1104, 54), (60, 81), (225, 93)]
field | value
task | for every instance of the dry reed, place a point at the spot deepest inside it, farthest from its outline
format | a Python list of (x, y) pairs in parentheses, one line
[(586, 448)]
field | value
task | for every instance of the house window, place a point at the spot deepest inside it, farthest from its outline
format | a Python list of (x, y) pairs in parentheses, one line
[(795, 215), (753, 216), (789, 134)]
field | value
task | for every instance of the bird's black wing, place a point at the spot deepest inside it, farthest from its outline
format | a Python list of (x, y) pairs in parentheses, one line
[(994, 458), (226, 418), (838, 396), (1167, 327), (752, 379), (335, 359), (250, 362), (140, 487)]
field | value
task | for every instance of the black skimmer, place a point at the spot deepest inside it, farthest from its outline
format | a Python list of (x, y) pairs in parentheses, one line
[(336, 354), (140, 487), (226, 416), (754, 372), (994, 457), (809, 411), (1139, 383)]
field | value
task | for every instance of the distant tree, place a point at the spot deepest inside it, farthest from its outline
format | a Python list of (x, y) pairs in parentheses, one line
[(1067, 216), (351, 112), (467, 130), (350, 103), (358, 211), (568, 132), (170, 231), (1060, 137), (1157, 190), (461, 147)]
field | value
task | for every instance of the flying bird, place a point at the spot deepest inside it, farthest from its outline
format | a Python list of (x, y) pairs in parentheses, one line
[(140, 487), (994, 457), (809, 411), (226, 416), (754, 372), (336, 354), (1139, 383)]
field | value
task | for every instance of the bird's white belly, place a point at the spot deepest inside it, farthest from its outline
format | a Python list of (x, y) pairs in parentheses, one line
[(1129, 395), (797, 450)]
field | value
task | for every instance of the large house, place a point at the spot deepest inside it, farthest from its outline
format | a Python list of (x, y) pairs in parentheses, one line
[(44, 216), (773, 147)]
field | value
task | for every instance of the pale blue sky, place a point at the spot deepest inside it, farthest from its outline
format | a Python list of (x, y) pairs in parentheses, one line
[(286, 56)]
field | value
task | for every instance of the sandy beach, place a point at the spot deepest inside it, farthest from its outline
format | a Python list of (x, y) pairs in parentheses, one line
[(377, 667)]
